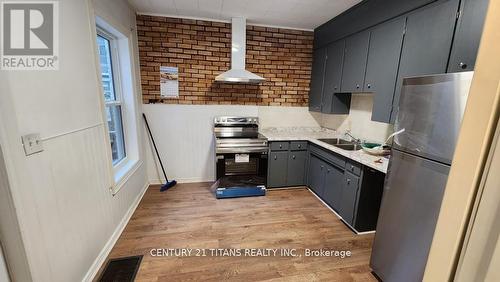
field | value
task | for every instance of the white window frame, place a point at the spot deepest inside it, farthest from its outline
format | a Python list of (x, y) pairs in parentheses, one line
[(124, 79), (117, 88)]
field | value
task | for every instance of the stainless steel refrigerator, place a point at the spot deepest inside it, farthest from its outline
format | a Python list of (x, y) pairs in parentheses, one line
[(430, 111)]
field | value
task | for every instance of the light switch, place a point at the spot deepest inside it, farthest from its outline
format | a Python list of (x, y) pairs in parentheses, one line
[(32, 144)]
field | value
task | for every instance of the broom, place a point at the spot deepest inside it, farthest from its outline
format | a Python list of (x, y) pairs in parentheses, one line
[(168, 184)]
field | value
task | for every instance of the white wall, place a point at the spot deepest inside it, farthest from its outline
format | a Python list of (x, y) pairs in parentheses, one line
[(10, 232), (273, 116), (184, 135), (359, 120), (67, 215), (184, 138)]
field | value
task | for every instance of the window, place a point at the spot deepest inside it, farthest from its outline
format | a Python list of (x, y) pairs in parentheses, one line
[(119, 96), (112, 95)]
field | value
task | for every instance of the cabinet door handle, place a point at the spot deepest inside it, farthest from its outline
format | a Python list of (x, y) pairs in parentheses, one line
[(335, 87), (275, 157), (369, 85), (348, 181), (328, 170), (293, 157), (299, 146), (352, 168), (462, 65), (280, 146), (322, 167), (357, 86)]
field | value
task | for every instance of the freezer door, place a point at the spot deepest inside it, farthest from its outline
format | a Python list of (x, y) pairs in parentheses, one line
[(430, 111), (410, 206)]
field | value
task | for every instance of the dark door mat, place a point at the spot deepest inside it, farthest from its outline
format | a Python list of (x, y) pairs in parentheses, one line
[(121, 269)]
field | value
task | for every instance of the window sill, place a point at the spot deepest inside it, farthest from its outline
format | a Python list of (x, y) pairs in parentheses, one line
[(123, 174)]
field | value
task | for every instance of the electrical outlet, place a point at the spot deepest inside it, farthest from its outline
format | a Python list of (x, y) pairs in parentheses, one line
[(32, 144)]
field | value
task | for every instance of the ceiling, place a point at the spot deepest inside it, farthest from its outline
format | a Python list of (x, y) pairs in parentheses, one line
[(298, 14)]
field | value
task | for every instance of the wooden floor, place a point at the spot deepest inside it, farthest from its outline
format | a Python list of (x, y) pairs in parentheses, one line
[(188, 216)]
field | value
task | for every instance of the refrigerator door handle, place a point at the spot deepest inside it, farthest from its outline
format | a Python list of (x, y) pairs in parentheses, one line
[(395, 139)]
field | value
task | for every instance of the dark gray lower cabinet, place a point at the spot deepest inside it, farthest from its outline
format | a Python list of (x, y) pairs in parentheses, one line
[(287, 164), (277, 168), (296, 168), (333, 186), (354, 191), (316, 174), (350, 189)]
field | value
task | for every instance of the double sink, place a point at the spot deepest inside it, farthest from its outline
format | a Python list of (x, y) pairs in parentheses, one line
[(342, 144)]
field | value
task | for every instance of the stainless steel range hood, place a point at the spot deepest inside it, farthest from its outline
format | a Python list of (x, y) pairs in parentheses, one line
[(238, 73)]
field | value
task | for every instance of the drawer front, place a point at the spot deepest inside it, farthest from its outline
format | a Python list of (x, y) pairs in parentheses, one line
[(353, 167), (279, 146), (328, 156), (298, 145)]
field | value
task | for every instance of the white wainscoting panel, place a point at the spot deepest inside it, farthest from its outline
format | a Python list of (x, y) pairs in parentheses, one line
[(184, 136), (76, 213)]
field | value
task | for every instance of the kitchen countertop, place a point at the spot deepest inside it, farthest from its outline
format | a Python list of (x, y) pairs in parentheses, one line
[(312, 134)]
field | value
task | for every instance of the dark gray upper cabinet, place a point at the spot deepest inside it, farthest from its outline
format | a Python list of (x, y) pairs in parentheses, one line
[(333, 71), (334, 104), (467, 35), (382, 67), (362, 16), (434, 41), (296, 168), (317, 75), (277, 173), (356, 53), (333, 186), (427, 43), (349, 197)]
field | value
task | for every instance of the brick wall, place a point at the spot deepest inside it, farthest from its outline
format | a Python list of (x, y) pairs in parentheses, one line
[(201, 51)]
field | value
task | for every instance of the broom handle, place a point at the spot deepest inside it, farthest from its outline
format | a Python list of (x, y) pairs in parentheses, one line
[(154, 145)]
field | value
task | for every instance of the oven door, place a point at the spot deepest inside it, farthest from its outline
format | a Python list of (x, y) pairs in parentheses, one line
[(241, 169)]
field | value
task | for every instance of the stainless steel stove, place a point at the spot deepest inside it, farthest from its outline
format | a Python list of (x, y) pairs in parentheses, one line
[(241, 157)]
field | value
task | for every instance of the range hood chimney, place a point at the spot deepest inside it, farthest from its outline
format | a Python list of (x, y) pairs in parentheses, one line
[(237, 73)]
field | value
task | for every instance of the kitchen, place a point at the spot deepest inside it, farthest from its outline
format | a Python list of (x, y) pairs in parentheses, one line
[(229, 140)]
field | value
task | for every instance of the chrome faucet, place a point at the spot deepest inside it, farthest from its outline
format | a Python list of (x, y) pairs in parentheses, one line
[(356, 140)]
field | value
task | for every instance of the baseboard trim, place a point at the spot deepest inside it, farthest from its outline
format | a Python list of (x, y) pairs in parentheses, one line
[(101, 258), (340, 217), (180, 180)]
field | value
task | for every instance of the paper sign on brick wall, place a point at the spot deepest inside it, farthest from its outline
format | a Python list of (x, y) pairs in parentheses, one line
[(169, 82)]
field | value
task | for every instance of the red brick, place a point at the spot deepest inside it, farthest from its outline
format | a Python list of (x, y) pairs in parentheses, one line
[(201, 50)]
